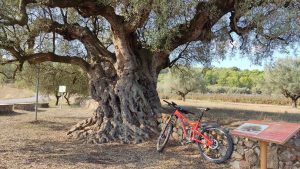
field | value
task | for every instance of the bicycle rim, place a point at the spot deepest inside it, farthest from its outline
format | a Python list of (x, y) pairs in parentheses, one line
[(221, 149)]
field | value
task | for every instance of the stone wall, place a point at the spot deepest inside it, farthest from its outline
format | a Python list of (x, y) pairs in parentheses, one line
[(246, 152)]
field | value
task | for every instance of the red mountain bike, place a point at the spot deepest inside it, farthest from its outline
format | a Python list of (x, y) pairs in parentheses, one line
[(214, 144)]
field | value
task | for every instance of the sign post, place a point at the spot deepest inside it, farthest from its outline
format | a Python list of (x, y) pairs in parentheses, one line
[(263, 154), (62, 91), (266, 132), (37, 91)]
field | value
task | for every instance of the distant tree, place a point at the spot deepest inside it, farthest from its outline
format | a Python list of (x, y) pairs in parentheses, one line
[(233, 77), (284, 76), (210, 76), (54, 74), (183, 80)]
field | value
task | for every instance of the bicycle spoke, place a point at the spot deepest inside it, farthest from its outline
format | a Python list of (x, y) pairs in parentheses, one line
[(221, 148)]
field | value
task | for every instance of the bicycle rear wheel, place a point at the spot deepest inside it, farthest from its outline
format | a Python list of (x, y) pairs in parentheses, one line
[(222, 146), (164, 137)]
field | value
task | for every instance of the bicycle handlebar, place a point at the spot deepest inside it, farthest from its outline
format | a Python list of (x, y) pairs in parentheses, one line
[(175, 106)]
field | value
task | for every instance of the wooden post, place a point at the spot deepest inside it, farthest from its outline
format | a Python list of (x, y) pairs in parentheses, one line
[(263, 154)]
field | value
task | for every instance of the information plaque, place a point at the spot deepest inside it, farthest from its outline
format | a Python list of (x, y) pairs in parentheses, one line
[(265, 132), (274, 132)]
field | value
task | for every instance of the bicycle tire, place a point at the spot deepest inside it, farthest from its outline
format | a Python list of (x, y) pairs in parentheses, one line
[(223, 157), (168, 128)]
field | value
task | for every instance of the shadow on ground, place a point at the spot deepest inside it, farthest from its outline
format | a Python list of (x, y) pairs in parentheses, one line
[(57, 126), (116, 155)]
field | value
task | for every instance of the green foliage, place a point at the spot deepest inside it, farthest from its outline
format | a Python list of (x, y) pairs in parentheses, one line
[(52, 75), (228, 90), (7, 73), (233, 77), (284, 76), (182, 81), (219, 80)]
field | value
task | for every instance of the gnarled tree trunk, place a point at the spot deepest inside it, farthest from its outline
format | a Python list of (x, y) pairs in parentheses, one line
[(127, 96), (126, 112)]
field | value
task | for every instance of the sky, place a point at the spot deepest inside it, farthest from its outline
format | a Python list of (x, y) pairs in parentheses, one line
[(244, 63), (237, 61)]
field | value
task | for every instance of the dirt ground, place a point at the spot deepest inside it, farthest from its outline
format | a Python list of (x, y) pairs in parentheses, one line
[(44, 144)]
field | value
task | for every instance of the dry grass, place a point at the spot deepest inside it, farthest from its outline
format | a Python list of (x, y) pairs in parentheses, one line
[(44, 144), (10, 92)]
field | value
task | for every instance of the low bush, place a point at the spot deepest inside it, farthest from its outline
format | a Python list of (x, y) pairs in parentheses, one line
[(228, 90)]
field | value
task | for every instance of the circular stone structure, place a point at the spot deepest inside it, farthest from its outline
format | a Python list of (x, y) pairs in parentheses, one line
[(29, 106), (6, 108)]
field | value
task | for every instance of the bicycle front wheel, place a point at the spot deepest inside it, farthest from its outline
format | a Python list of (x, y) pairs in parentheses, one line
[(222, 146), (164, 137)]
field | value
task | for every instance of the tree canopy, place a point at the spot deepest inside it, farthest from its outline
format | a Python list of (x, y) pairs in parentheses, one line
[(201, 29)]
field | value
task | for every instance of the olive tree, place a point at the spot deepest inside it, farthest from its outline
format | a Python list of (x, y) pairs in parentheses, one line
[(182, 81), (123, 45), (284, 76), (52, 75)]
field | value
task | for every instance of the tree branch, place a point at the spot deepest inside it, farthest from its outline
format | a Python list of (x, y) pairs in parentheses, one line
[(87, 8), (43, 57), (179, 56), (9, 46), (199, 28), (139, 18), (75, 31)]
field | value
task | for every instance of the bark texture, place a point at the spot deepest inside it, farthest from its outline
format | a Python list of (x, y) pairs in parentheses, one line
[(126, 110), (127, 97)]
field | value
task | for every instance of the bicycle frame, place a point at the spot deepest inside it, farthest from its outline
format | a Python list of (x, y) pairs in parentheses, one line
[(194, 125)]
